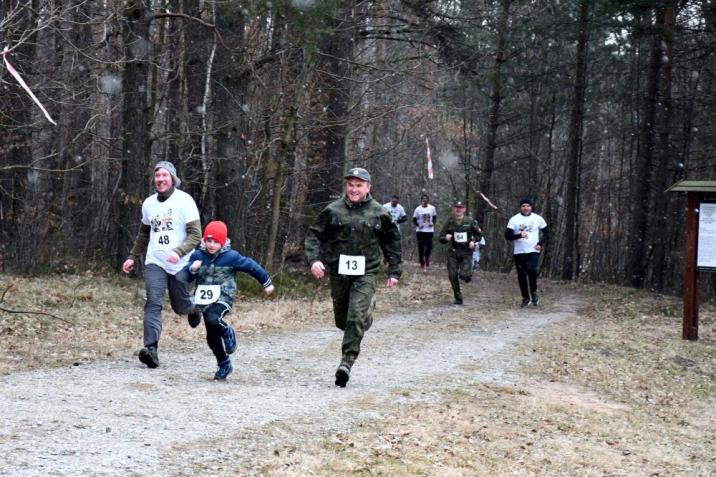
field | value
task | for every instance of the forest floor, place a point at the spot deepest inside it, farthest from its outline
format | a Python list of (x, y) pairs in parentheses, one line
[(594, 381)]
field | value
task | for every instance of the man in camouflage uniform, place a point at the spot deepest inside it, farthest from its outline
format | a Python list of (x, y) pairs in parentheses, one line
[(348, 240), (462, 233)]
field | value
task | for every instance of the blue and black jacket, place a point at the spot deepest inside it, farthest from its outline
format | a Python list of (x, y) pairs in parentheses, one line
[(221, 268)]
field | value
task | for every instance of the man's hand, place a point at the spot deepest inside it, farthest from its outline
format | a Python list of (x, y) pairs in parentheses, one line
[(173, 257), (391, 282), (448, 237), (128, 265), (471, 245), (538, 247), (318, 270), (523, 234), (268, 290), (195, 266)]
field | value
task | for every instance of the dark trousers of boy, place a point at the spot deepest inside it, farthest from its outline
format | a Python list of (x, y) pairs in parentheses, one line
[(459, 265), (425, 246), (215, 327), (526, 265), (156, 281), (352, 302)]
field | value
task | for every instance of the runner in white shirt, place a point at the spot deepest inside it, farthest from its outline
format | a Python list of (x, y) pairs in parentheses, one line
[(528, 232), (169, 232), (396, 211), (476, 253), (424, 218)]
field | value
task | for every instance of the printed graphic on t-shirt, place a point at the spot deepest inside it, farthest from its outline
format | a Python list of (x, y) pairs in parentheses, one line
[(526, 227), (426, 219), (164, 235)]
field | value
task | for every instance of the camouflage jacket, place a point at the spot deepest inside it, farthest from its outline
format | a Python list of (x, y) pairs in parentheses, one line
[(221, 268), (354, 229), (466, 225)]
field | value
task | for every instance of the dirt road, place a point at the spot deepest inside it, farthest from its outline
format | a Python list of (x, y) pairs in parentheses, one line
[(116, 417)]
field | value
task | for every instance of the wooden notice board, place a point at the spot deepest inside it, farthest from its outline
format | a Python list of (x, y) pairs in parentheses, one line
[(700, 247)]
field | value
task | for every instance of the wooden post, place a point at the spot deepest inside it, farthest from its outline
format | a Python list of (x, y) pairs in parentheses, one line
[(690, 322)]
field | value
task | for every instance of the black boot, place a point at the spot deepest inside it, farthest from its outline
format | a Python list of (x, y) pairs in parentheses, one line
[(149, 356), (343, 373)]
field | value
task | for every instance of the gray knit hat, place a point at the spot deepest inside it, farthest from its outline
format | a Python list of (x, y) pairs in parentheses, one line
[(171, 169)]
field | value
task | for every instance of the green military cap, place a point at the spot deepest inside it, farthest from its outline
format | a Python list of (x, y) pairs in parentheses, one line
[(458, 203), (358, 173)]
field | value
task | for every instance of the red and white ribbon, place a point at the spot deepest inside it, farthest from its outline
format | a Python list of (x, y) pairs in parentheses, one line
[(22, 83), (487, 200), (430, 159)]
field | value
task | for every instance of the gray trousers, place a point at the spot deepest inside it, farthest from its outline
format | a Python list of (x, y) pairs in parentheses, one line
[(156, 280)]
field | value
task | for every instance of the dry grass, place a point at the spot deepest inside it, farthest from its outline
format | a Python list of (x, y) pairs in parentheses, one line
[(496, 430), (614, 393)]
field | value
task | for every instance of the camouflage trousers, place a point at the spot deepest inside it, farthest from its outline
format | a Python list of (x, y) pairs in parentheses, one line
[(351, 304), (459, 267)]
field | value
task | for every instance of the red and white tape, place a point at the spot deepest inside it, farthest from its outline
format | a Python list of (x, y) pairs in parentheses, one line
[(24, 85)]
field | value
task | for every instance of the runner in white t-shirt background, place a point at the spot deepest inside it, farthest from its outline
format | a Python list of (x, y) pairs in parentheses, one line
[(528, 232), (169, 232), (424, 218), (396, 211), (476, 253)]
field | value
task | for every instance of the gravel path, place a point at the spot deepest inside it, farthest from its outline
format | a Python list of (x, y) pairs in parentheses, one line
[(119, 418)]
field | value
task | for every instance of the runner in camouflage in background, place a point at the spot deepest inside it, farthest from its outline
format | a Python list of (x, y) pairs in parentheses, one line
[(462, 233), (349, 239)]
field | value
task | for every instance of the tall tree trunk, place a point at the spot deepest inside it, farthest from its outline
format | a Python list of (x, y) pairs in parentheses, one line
[(286, 156), (134, 123), (571, 220), (641, 174), (495, 100), (329, 141), (660, 225)]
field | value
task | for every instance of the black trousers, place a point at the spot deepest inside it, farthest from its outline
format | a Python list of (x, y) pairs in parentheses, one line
[(527, 267), (215, 326), (425, 246)]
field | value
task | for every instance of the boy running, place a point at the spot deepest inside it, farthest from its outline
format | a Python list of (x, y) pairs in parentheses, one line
[(214, 267)]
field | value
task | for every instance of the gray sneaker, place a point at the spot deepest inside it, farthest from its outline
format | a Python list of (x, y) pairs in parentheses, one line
[(343, 373), (149, 356), (535, 299)]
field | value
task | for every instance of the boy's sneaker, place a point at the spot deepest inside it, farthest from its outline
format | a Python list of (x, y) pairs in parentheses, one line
[(535, 299), (343, 373), (149, 356), (525, 302), (229, 338), (225, 369), (458, 301), (194, 317)]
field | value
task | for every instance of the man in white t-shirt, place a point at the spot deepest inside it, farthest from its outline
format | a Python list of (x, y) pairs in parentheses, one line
[(169, 232), (528, 232), (396, 211), (424, 218)]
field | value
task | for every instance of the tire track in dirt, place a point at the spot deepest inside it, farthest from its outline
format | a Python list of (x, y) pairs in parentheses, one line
[(118, 418)]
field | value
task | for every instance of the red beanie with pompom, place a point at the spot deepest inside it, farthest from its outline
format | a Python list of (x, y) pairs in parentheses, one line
[(216, 230)]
